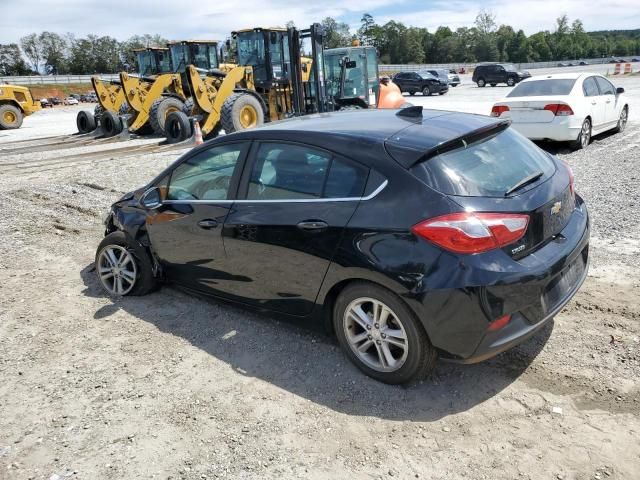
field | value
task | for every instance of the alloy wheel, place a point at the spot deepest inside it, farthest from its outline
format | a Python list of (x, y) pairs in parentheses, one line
[(585, 134), (375, 334), (117, 269), (622, 123)]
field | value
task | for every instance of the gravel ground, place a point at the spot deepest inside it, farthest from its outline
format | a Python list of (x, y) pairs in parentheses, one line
[(173, 386)]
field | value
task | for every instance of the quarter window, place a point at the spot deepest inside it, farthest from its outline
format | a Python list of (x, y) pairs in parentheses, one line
[(294, 172), (590, 88), (206, 175)]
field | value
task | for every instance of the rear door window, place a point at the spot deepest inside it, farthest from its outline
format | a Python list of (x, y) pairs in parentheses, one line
[(543, 87), (284, 171), (489, 167), (606, 87), (590, 88)]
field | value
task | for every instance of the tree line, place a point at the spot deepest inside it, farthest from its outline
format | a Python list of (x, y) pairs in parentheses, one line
[(52, 53)]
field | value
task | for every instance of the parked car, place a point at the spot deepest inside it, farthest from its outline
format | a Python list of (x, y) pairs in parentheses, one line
[(71, 101), (634, 60), (425, 82), (562, 65), (582, 63), (92, 97), (568, 107), (55, 101), (45, 103), (495, 73), (450, 235), (84, 98)]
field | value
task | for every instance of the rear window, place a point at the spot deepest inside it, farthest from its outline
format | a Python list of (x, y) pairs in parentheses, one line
[(543, 87), (487, 168)]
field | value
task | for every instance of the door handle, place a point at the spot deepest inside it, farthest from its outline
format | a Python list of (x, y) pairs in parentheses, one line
[(313, 225), (207, 224)]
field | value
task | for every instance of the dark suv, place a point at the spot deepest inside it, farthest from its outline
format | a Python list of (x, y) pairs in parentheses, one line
[(411, 233), (425, 82), (495, 73)]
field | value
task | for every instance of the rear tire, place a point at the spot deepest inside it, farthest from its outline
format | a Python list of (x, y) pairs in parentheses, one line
[(481, 83), (138, 266), (178, 127), (10, 117), (85, 121), (160, 110), (111, 124), (584, 138), (241, 111), (408, 347)]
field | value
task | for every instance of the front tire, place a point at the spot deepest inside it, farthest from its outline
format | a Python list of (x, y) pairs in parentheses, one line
[(426, 91), (622, 121), (584, 138), (381, 336), (111, 124), (241, 111), (160, 110), (10, 117), (178, 127), (123, 267), (86, 122)]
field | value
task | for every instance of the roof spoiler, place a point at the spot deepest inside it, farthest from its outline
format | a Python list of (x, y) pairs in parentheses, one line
[(464, 140)]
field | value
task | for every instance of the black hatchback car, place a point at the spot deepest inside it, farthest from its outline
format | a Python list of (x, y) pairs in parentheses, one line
[(495, 73), (421, 82), (412, 234)]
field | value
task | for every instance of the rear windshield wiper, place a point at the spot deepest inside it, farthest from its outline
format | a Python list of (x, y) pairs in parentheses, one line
[(524, 182)]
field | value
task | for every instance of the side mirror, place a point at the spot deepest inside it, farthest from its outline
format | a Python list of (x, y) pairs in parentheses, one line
[(619, 90), (151, 198)]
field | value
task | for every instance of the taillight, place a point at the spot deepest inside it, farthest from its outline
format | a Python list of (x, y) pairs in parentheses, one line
[(498, 110), (559, 109), (473, 232)]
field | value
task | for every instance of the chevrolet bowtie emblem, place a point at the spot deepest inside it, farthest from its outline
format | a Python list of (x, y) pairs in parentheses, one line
[(556, 208)]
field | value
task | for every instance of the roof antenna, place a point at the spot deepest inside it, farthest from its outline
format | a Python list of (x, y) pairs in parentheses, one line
[(412, 111)]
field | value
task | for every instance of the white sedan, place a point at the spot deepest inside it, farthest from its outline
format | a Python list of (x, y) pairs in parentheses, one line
[(569, 107), (71, 101)]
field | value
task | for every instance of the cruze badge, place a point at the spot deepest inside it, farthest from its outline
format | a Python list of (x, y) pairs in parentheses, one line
[(556, 208)]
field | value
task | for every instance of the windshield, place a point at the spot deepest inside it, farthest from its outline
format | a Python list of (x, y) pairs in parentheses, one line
[(251, 53), (425, 74), (488, 168), (204, 56), (163, 61), (179, 57), (146, 64), (543, 87)]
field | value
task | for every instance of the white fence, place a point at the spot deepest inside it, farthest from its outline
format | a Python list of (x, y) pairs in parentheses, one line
[(54, 79), (468, 66)]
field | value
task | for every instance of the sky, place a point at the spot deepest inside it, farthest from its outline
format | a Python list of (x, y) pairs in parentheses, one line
[(214, 19)]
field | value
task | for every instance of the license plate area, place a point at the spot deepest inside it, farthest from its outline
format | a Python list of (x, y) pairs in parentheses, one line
[(558, 288)]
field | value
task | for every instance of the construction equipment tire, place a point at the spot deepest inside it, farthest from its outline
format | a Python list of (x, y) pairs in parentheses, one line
[(85, 121), (178, 127), (160, 109), (111, 124), (187, 108), (241, 111), (10, 117)]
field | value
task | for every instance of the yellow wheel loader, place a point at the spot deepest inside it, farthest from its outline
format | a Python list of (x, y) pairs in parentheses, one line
[(16, 102), (111, 94), (272, 81), (152, 101)]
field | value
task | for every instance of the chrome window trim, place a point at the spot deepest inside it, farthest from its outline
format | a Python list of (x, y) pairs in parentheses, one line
[(292, 200)]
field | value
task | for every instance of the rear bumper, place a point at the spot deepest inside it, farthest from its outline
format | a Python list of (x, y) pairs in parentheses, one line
[(466, 294), (561, 129)]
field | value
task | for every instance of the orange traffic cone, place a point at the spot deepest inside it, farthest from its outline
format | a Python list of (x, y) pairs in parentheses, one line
[(198, 134)]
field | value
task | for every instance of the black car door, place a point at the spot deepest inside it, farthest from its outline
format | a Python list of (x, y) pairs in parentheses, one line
[(186, 230), (282, 233)]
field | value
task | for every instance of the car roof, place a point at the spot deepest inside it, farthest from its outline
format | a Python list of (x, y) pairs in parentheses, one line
[(355, 133)]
